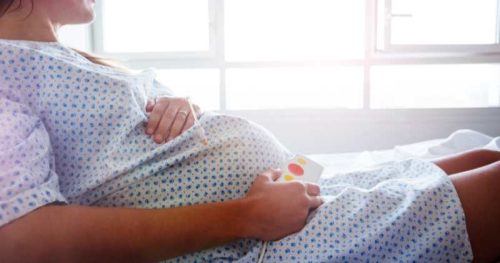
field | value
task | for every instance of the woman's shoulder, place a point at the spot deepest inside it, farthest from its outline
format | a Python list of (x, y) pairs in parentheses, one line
[(14, 46), (24, 68), (16, 55), (24, 52)]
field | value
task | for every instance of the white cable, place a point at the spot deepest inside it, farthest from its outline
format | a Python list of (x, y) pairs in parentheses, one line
[(262, 252)]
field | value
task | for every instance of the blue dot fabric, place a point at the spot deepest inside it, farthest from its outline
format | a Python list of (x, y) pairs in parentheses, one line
[(72, 131)]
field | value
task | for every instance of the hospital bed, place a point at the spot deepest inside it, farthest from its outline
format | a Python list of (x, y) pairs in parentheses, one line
[(458, 141)]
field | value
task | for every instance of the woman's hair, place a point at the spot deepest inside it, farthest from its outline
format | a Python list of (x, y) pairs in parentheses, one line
[(6, 5), (101, 60)]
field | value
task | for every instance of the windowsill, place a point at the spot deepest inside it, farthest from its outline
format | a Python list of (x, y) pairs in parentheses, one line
[(337, 131), (370, 114)]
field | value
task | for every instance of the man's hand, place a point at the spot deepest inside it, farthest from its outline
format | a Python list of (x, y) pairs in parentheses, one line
[(169, 117)]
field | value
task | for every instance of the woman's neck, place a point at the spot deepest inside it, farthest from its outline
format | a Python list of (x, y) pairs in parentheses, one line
[(18, 25)]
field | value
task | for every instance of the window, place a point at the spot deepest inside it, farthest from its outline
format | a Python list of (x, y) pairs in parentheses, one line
[(443, 25), (202, 85), (311, 54), (436, 86), (155, 27), (280, 30), (284, 88)]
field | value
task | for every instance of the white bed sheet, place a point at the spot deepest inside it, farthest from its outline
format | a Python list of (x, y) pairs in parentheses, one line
[(458, 141)]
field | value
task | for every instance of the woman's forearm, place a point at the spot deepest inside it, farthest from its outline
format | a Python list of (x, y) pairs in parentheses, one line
[(269, 211), (76, 233)]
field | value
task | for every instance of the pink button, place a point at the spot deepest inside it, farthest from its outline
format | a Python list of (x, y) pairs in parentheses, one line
[(295, 169)]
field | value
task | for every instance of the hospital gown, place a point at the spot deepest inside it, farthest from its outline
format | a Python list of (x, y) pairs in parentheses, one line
[(73, 132)]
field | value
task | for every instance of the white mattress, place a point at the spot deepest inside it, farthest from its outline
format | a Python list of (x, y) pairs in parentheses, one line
[(458, 141)]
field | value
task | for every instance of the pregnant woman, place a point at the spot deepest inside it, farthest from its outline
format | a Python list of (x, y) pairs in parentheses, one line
[(101, 165)]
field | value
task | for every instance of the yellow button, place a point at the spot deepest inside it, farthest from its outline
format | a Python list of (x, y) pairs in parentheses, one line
[(288, 177), (301, 161)]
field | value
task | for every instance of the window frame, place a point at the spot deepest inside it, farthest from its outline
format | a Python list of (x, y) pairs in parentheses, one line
[(373, 56), (384, 44)]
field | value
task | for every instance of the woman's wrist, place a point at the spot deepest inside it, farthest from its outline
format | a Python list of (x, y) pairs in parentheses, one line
[(246, 223), (74, 233)]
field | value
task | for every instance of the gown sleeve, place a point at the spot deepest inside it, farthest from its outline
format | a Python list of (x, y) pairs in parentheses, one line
[(27, 168)]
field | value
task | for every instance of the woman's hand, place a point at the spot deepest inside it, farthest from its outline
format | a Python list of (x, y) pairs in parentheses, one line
[(169, 117), (276, 210)]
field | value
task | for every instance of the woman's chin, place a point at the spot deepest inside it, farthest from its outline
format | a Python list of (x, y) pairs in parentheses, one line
[(86, 19)]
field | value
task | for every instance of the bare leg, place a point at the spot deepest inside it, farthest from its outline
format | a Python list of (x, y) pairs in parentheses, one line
[(479, 192), (467, 160)]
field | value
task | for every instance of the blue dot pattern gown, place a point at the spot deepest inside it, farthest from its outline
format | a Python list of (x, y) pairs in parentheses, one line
[(73, 132)]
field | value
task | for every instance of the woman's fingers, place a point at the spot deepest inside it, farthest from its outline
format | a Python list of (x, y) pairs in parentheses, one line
[(270, 175), (166, 122), (313, 192), (315, 202), (169, 117), (155, 117), (178, 124), (275, 174), (312, 189), (189, 122), (150, 105)]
